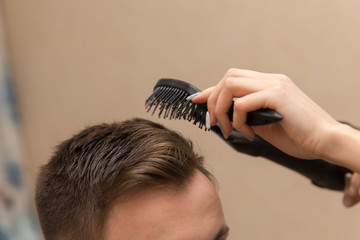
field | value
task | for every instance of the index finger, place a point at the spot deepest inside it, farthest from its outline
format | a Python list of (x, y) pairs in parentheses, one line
[(203, 96)]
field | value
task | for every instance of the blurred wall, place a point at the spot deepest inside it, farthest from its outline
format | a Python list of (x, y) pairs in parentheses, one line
[(78, 63)]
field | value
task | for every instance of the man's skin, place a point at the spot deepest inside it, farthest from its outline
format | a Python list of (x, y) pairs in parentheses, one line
[(193, 213)]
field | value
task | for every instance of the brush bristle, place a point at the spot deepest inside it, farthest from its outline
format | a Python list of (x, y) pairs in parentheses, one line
[(171, 103)]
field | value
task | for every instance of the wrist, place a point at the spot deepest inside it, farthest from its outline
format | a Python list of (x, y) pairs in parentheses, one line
[(342, 146)]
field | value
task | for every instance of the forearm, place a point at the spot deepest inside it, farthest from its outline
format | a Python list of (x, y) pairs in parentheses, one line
[(343, 147)]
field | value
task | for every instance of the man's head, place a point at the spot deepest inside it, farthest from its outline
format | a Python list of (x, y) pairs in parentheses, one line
[(129, 180)]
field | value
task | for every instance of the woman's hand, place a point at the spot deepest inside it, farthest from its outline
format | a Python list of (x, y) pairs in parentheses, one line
[(306, 130), (301, 133)]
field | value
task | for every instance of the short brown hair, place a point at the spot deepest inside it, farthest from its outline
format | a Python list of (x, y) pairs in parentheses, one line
[(96, 167)]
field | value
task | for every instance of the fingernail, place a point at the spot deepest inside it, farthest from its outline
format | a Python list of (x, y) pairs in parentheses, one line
[(348, 178), (249, 138), (225, 135), (207, 123), (223, 132), (192, 96), (347, 202)]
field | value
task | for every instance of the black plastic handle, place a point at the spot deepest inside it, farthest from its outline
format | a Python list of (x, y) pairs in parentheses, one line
[(320, 172), (259, 117)]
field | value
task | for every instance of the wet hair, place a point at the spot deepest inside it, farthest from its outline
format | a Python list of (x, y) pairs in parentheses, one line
[(103, 164)]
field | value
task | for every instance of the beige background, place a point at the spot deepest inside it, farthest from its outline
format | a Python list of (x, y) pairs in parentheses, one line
[(78, 63)]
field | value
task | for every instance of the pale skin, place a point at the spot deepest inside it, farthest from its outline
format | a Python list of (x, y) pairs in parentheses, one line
[(192, 213), (306, 131)]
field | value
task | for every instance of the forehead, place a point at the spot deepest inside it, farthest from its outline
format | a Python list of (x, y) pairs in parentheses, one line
[(192, 213)]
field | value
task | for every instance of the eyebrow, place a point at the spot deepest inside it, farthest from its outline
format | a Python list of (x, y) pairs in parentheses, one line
[(222, 232)]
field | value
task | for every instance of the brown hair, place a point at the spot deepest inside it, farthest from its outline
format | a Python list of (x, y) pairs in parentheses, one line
[(100, 165)]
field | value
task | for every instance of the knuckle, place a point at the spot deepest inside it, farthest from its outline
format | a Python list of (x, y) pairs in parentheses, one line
[(283, 77), (238, 106), (276, 95), (231, 72), (282, 85), (230, 82), (279, 90)]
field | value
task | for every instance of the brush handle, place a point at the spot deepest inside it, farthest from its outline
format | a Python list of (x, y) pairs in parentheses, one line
[(260, 117), (320, 172)]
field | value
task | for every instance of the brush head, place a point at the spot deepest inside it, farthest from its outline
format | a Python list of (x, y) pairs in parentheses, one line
[(169, 98)]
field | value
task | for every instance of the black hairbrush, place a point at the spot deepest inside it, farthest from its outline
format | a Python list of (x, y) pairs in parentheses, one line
[(169, 98)]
